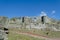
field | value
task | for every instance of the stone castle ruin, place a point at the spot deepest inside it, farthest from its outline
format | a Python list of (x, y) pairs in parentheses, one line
[(36, 22)]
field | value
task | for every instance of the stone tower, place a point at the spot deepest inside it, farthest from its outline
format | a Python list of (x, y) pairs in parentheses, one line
[(22, 19), (43, 17)]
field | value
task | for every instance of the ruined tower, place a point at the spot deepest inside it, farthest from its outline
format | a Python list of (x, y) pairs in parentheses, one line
[(22, 19), (43, 17)]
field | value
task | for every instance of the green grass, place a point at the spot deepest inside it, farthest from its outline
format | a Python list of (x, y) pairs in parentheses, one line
[(15, 36), (51, 34)]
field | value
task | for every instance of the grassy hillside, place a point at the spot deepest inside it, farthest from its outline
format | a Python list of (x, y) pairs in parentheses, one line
[(15, 36), (51, 34)]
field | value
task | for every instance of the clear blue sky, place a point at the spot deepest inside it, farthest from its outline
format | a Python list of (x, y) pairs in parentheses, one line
[(12, 8)]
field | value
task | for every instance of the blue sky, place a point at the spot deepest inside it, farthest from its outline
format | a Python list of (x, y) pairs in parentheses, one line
[(13, 8)]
